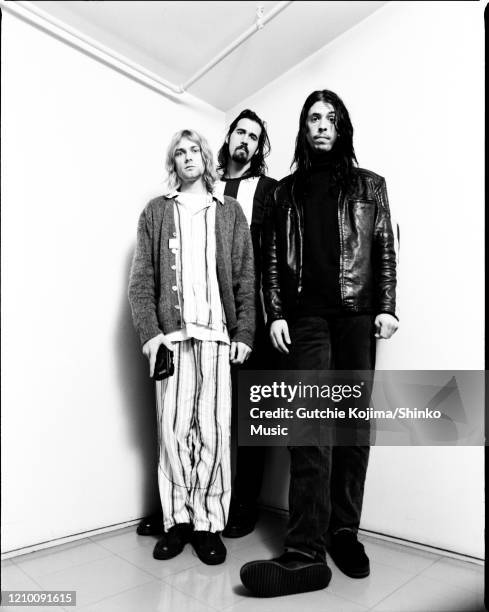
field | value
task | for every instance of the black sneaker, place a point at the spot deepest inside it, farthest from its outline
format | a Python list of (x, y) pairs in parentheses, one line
[(290, 573), (209, 547), (241, 521), (173, 541), (151, 525), (349, 554)]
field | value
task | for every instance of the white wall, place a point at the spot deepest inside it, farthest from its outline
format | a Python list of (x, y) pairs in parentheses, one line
[(411, 76), (82, 151)]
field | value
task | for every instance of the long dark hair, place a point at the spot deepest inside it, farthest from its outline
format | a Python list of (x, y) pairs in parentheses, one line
[(258, 165), (343, 152)]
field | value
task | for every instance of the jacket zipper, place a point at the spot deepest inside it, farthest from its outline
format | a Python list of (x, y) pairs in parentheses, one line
[(301, 241), (340, 231)]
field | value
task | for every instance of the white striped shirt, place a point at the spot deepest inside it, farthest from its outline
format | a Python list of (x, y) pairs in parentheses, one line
[(245, 196), (197, 285)]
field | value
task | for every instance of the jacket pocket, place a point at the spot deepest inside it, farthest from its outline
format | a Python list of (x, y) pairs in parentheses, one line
[(362, 214)]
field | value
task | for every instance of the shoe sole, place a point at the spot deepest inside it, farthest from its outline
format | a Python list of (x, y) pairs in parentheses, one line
[(271, 579)]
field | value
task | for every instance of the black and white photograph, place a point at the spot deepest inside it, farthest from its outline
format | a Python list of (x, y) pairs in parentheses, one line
[(242, 306)]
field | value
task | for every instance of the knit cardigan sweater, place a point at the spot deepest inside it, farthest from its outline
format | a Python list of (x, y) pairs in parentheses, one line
[(154, 304)]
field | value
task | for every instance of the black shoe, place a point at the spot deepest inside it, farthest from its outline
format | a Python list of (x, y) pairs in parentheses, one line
[(242, 520), (173, 541), (209, 547), (349, 554), (151, 525), (290, 573)]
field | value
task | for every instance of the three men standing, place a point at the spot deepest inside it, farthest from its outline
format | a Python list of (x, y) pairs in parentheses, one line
[(192, 289), (326, 255), (329, 279)]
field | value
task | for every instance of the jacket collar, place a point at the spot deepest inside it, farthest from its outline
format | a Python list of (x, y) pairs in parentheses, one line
[(173, 193)]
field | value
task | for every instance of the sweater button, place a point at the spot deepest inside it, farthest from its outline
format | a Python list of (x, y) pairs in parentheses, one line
[(174, 234), (174, 288), (177, 306), (173, 267)]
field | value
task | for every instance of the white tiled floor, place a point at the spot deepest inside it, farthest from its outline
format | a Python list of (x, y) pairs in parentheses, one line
[(116, 572)]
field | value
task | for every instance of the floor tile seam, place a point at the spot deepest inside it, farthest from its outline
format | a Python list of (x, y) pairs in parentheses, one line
[(401, 586), (176, 588), (53, 552), (70, 566), (246, 599), (447, 583), (409, 579), (160, 561), (235, 558), (106, 548), (417, 572), (132, 588), (28, 576)]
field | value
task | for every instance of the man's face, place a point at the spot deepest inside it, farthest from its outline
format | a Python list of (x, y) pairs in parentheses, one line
[(321, 131), (243, 141), (189, 164)]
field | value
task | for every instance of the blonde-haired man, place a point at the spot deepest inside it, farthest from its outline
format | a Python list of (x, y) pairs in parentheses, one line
[(192, 289)]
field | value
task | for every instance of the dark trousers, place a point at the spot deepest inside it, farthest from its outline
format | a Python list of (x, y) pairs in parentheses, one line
[(250, 460), (327, 482)]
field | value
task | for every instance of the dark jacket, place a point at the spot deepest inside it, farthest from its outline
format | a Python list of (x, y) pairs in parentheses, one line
[(367, 277), (153, 303)]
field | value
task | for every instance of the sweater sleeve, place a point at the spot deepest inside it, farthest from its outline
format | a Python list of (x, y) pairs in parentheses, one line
[(243, 280), (142, 290)]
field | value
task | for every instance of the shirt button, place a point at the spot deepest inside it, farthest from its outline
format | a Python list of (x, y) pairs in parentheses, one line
[(174, 267), (174, 288), (177, 306)]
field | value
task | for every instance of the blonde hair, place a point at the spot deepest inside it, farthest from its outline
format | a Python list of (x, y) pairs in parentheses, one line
[(209, 176)]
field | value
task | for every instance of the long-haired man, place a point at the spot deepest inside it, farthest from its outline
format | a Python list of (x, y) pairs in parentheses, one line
[(192, 289), (329, 278), (242, 169)]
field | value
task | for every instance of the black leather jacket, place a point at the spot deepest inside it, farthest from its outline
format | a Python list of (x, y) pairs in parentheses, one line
[(367, 257)]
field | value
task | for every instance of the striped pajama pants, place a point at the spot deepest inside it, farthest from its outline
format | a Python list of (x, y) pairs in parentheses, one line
[(194, 427)]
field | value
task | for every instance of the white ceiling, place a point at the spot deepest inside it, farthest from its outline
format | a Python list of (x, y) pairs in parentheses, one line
[(176, 39)]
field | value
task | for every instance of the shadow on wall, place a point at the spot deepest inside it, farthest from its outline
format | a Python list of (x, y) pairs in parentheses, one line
[(137, 393)]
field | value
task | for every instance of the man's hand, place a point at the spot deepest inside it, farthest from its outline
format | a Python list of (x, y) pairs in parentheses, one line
[(385, 325), (239, 353), (150, 350), (279, 335)]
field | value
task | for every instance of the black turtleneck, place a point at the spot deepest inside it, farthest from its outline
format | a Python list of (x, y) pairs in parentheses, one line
[(321, 255)]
